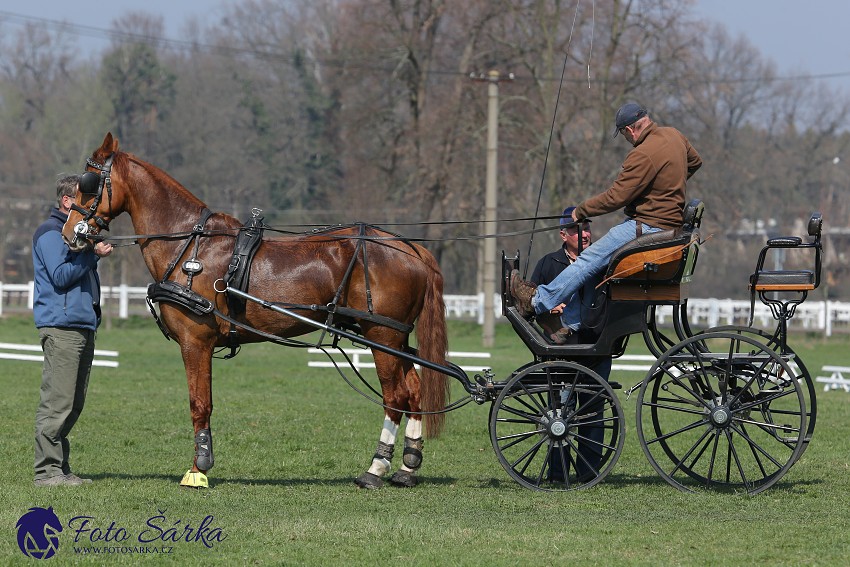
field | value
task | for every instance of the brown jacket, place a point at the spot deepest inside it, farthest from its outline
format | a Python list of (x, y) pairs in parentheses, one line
[(651, 184)]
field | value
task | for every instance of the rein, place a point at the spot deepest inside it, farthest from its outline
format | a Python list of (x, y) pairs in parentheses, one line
[(133, 239)]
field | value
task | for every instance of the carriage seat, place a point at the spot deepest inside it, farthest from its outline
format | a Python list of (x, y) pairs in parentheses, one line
[(783, 290), (789, 280), (654, 266)]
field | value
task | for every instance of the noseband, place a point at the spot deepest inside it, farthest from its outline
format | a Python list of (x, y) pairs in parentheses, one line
[(92, 183)]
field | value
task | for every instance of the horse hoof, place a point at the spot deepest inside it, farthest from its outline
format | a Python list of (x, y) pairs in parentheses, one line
[(404, 479), (195, 480), (369, 480)]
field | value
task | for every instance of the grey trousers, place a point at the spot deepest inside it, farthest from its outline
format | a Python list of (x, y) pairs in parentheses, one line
[(68, 355)]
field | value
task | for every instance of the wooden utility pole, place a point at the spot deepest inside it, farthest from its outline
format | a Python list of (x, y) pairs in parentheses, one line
[(490, 203)]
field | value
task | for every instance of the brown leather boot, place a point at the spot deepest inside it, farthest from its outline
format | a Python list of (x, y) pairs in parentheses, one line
[(561, 336), (522, 292)]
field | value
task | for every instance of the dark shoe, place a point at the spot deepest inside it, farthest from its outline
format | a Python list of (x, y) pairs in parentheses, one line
[(522, 292), (561, 336)]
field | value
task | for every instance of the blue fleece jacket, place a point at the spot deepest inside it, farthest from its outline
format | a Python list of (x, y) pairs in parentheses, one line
[(64, 284)]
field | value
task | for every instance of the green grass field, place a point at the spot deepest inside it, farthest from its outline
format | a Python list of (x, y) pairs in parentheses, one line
[(290, 439)]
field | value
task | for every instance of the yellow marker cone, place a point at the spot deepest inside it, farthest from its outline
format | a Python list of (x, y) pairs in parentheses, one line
[(195, 480)]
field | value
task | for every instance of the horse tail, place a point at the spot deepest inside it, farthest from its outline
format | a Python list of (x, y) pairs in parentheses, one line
[(433, 345)]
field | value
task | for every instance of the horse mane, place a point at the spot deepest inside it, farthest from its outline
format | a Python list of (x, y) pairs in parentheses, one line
[(121, 163)]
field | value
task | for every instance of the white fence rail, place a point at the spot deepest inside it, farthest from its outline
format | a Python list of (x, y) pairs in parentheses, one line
[(826, 316), (356, 356), (17, 351)]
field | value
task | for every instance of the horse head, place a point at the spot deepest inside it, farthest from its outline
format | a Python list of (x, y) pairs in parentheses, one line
[(94, 204)]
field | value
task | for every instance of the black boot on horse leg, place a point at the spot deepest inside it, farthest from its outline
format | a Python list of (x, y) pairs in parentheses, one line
[(406, 477), (204, 461), (382, 460)]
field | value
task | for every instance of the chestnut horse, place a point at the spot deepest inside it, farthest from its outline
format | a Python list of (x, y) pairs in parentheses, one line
[(404, 285)]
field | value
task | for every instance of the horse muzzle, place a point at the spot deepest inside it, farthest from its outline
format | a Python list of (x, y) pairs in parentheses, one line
[(83, 237)]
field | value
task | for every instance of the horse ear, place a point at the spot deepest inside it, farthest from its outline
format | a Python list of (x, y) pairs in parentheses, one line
[(110, 144)]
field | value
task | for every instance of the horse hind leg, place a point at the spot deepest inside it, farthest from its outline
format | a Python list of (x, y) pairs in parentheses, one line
[(411, 459)]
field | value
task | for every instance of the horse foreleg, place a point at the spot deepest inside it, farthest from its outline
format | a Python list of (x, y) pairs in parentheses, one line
[(198, 363), (382, 460)]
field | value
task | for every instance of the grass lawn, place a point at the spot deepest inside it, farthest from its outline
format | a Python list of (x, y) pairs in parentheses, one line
[(289, 440)]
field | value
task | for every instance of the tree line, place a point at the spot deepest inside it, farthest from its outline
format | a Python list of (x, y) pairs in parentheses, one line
[(334, 111)]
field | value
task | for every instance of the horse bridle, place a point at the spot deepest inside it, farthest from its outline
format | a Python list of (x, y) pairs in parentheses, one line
[(92, 183)]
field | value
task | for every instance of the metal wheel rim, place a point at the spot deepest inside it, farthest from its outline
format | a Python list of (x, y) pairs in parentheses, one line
[(750, 451), (527, 408)]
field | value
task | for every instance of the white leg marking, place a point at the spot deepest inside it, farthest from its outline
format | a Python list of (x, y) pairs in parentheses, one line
[(414, 428), (381, 466)]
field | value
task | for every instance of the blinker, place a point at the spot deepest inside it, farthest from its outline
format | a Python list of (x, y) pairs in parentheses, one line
[(90, 183)]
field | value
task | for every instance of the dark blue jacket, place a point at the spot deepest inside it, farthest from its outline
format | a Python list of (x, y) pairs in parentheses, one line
[(66, 283), (550, 266)]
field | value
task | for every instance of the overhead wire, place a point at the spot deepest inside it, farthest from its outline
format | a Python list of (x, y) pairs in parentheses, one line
[(118, 35)]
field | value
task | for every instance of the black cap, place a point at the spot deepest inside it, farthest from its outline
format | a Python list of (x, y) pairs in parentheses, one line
[(627, 115)]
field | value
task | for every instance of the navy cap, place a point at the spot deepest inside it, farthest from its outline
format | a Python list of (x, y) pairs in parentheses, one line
[(627, 115), (567, 218)]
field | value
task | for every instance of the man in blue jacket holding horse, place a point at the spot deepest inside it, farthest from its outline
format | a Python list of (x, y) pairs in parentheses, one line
[(66, 308)]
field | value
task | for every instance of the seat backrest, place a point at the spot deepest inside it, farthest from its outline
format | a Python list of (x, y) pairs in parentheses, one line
[(692, 215), (663, 260)]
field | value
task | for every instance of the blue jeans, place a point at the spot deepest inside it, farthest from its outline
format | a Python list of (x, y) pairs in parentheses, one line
[(571, 317), (591, 263)]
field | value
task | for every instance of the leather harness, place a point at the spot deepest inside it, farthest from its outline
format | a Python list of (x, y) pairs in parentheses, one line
[(247, 243)]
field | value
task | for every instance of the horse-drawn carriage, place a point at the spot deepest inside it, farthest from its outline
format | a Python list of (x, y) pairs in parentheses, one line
[(727, 407), (731, 407)]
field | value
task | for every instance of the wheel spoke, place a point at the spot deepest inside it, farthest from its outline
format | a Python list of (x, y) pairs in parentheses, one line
[(666, 436), (673, 408), (755, 446), (530, 418), (678, 464), (516, 438), (528, 456)]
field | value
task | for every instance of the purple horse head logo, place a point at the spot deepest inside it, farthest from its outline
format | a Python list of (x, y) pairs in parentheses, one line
[(38, 533)]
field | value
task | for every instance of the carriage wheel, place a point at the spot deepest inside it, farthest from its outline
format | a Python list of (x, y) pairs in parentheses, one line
[(794, 361), (557, 426), (722, 409)]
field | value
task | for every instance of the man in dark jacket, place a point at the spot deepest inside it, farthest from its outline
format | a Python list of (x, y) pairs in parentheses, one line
[(650, 187), (575, 238), (66, 309), (574, 326)]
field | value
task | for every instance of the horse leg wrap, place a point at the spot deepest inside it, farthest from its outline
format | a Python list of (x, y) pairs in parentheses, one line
[(412, 457), (203, 450), (384, 451)]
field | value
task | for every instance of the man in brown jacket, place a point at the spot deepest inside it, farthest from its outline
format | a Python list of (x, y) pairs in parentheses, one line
[(650, 187)]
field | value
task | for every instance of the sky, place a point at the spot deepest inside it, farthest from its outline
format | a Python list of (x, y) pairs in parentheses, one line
[(802, 38)]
